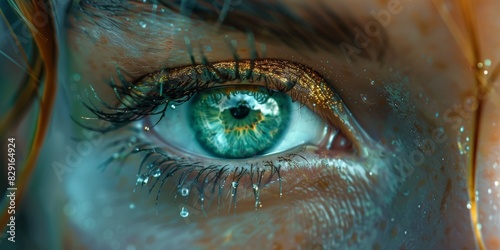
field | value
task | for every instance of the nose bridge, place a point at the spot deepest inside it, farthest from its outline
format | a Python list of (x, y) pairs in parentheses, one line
[(484, 187)]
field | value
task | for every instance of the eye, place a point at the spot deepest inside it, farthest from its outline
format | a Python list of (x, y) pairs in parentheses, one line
[(239, 122)]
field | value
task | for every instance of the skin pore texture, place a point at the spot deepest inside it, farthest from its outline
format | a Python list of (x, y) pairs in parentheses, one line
[(408, 191)]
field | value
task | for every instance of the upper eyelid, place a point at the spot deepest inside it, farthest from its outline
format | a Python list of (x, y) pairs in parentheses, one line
[(157, 88)]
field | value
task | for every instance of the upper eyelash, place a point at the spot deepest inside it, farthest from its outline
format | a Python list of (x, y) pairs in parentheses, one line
[(137, 103)]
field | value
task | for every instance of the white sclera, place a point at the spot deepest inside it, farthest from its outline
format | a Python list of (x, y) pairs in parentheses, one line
[(305, 127)]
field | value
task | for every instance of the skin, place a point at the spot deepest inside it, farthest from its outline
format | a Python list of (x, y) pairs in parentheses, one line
[(424, 73)]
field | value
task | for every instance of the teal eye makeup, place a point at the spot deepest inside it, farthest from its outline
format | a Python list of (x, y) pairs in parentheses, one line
[(239, 123)]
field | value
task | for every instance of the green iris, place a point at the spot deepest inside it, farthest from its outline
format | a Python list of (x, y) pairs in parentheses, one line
[(239, 123)]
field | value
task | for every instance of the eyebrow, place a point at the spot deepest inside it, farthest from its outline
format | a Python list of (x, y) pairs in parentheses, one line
[(321, 29)]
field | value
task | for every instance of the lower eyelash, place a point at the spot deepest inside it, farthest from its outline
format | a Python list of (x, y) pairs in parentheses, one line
[(210, 183)]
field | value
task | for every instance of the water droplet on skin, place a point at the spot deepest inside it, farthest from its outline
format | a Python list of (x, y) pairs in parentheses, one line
[(157, 173), (363, 98), (372, 82), (469, 206), (406, 193), (184, 212), (487, 62), (131, 206), (76, 77), (142, 24), (116, 155), (462, 129), (208, 48), (155, 6), (172, 106), (489, 190), (437, 115), (479, 226), (392, 219), (184, 191), (496, 183)]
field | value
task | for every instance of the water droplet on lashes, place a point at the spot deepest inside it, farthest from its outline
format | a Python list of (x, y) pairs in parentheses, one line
[(372, 82), (157, 173), (142, 24), (172, 106), (234, 184), (255, 187), (184, 212), (143, 180), (146, 128), (469, 206), (184, 191)]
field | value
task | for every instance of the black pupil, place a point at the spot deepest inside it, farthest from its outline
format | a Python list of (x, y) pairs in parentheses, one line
[(240, 112)]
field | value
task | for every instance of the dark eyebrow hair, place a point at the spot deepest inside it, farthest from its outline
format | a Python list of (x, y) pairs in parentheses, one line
[(318, 27)]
